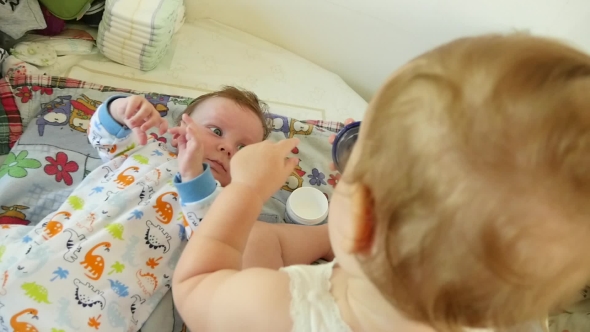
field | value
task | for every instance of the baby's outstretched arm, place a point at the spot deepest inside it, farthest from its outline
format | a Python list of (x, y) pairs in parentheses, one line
[(210, 291)]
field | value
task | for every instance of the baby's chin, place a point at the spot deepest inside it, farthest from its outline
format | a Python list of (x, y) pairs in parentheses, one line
[(223, 178), (224, 181)]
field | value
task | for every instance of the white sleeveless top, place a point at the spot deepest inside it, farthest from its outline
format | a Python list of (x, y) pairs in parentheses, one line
[(313, 308)]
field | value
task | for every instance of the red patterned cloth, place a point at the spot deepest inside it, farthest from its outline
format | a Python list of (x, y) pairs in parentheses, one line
[(11, 127), (327, 125)]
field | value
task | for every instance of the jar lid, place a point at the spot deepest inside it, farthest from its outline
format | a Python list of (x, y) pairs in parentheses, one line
[(308, 206)]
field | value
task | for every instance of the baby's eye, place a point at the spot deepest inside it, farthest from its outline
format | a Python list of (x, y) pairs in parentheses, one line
[(216, 131), (240, 147)]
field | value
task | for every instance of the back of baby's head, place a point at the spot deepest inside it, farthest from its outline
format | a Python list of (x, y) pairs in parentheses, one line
[(477, 155), (244, 98)]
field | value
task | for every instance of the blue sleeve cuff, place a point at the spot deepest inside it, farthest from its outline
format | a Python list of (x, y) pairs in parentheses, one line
[(107, 120), (198, 188)]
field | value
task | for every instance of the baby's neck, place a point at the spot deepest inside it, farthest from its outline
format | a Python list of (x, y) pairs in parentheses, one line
[(369, 311)]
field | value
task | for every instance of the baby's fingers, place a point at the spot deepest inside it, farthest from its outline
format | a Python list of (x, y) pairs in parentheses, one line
[(141, 135), (191, 132), (332, 138), (290, 163), (156, 121), (177, 131), (136, 115), (332, 166), (163, 126), (132, 107), (188, 121), (287, 145), (152, 121)]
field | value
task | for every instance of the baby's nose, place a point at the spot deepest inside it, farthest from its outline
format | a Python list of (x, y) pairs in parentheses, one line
[(229, 152)]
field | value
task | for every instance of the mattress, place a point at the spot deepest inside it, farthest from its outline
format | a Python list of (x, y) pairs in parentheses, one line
[(205, 55)]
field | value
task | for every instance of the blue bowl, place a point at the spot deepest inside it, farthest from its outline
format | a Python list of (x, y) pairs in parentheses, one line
[(343, 143)]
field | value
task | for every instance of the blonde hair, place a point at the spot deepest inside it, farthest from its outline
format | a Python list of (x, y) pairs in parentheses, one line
[(477, 155), (244, 98)]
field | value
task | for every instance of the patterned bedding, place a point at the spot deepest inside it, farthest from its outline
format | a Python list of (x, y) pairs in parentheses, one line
[(10, 121), (51, 156)]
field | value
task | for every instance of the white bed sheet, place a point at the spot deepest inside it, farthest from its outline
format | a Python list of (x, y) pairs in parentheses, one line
[(206, 55)]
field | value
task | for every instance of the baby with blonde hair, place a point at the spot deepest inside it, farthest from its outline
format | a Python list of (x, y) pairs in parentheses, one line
[(464, 204)]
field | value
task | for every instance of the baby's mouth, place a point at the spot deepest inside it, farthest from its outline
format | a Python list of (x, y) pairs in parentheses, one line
[(218, 164)]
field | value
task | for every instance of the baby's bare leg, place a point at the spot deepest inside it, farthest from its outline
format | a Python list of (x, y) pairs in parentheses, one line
[(277, 245)]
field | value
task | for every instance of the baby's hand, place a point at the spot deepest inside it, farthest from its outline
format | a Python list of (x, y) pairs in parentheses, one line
[(139, 115), (264, 166), (333, 137), (190, 152)]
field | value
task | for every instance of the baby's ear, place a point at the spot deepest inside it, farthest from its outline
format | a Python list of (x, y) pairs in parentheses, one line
[(362, 221)]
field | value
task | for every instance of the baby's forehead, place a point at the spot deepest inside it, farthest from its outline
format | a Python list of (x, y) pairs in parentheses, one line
[(233, 117)]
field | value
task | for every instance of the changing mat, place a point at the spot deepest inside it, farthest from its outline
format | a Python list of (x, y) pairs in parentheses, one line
[(53, 156)]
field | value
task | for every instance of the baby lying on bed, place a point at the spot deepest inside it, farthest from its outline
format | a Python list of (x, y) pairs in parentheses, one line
[(67, 273)]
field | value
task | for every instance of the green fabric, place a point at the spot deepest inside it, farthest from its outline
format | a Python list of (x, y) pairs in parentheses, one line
[(67, 9)]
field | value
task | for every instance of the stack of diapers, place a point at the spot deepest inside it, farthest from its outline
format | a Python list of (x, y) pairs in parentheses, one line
[(137, 33)]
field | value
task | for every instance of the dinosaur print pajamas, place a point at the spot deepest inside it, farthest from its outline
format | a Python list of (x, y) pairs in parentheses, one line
[(105, 259)]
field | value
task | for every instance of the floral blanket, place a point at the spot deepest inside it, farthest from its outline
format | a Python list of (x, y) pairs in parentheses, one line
[(53, 155)]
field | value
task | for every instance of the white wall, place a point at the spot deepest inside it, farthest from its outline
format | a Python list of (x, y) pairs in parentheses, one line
[(363, 41)]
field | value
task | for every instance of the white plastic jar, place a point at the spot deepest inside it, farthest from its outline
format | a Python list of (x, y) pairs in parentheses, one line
[(306, 206)]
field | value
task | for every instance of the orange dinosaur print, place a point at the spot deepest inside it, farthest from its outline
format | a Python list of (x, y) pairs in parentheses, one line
[(147, 282), (4, 282), (94, 263), (94, 322), (87, 225), (153, 262), (54, 227), (113, 149), (23, 326), (164, 210), (125, 180)]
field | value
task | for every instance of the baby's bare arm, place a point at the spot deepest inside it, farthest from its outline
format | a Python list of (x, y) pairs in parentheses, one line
[(250, 300), (277, 245), (210, 291)]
